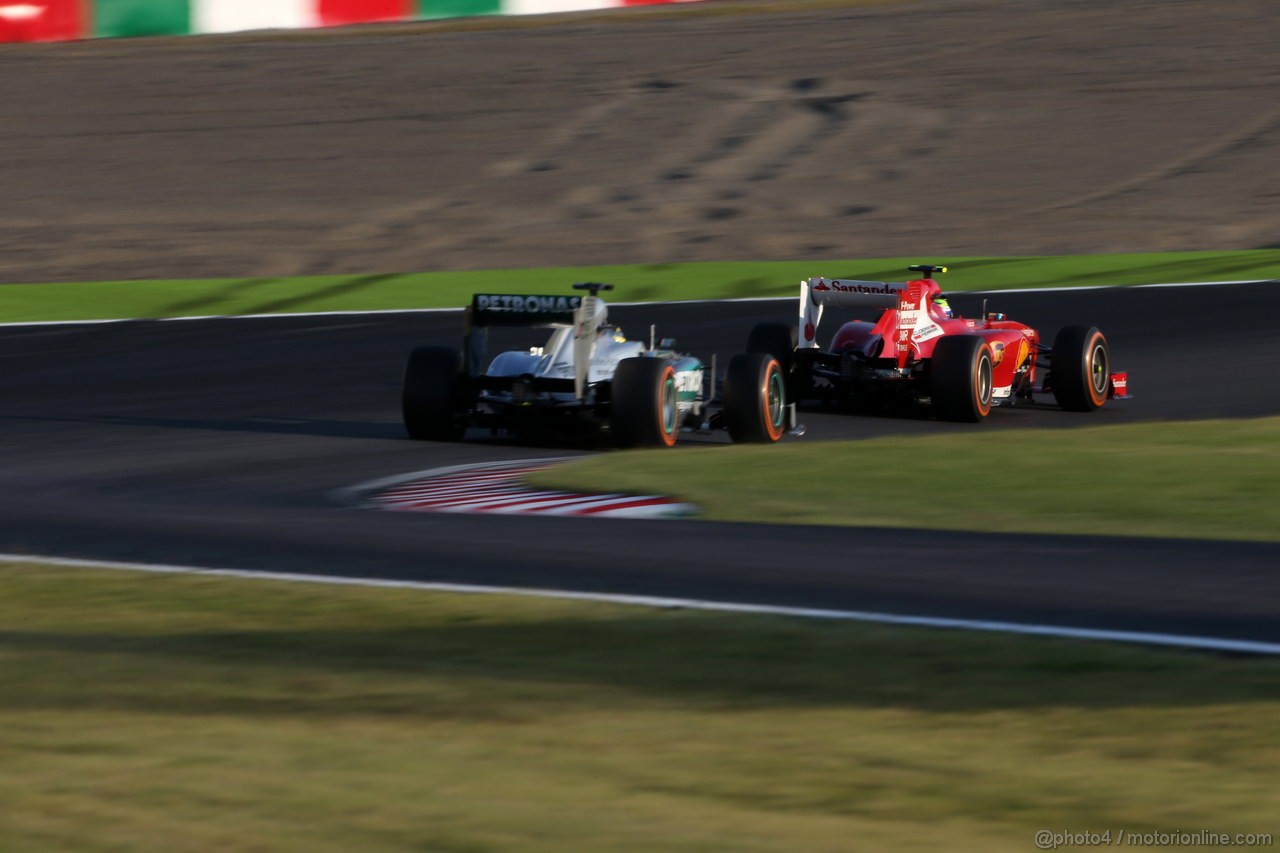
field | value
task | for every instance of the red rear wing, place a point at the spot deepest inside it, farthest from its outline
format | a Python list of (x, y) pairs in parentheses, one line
[(905, 306), (816, 293)]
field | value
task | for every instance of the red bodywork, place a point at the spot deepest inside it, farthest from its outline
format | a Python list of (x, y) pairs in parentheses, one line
[(910, 331), (916, 349)]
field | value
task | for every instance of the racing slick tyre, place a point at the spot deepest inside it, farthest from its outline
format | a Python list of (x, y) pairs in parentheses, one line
[(779, 341), (433, 395), (755, 398), (961, 378), (1080, 369), (644, 403)]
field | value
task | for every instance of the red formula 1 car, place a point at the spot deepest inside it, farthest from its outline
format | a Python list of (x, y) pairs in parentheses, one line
[(917, 350)]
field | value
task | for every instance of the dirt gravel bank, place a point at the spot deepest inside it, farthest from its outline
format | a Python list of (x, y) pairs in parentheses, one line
[(917, 128)]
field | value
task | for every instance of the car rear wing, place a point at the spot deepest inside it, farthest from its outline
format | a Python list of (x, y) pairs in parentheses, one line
[(506, 309), (584, 313), (817, 293)]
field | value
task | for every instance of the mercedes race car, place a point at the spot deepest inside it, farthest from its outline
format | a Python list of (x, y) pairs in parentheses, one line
[(915, 349), (588, 378)]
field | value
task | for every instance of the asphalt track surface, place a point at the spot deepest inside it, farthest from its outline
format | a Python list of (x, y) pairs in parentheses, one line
[(221, 443)]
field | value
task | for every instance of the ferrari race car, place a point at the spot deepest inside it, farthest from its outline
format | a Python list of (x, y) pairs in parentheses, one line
[(587, 379), (917, 350)]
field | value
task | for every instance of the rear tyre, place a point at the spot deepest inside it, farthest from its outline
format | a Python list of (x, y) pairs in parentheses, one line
[(644, 403), (779, 341), (755, 398), (433, 395), (961, 382), (1080, 369)]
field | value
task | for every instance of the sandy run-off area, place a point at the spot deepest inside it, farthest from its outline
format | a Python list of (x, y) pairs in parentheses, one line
[(647, 136)]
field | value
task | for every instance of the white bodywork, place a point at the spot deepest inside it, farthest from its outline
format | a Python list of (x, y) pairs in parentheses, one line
[(587, 352)]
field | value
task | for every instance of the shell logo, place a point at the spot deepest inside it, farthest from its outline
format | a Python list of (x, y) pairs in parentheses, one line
[(1024, 349), (997, 351)]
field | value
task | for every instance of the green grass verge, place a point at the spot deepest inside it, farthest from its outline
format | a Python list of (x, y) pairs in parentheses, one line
[(148, 712), (636, 283), (1204, 479)]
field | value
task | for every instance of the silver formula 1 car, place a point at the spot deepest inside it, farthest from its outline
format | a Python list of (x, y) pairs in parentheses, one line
[(588, 378)]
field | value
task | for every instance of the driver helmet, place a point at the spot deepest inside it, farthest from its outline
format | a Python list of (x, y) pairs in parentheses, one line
[(614, 333), (944, 307)]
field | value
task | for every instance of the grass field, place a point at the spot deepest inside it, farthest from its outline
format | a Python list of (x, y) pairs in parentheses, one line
[(642, 283), (149, 712), (1205, 479)]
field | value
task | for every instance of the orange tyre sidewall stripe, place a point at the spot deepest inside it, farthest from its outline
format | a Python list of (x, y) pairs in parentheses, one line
[(984, 408), (1098, 399), (775, 433), (668, 438)]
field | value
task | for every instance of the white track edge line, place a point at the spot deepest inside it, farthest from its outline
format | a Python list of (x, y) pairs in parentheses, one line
[(1217, 644), (357, 313)]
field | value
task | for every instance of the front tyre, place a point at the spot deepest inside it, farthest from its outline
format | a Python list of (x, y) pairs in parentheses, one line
[(755, 398), (433, 395), (644, 403), (961, 382), (1080, 369)]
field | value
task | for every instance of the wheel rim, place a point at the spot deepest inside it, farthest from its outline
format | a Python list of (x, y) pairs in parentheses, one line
[(774, 396), (1099, 369), (982, 381), (669, 405)]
